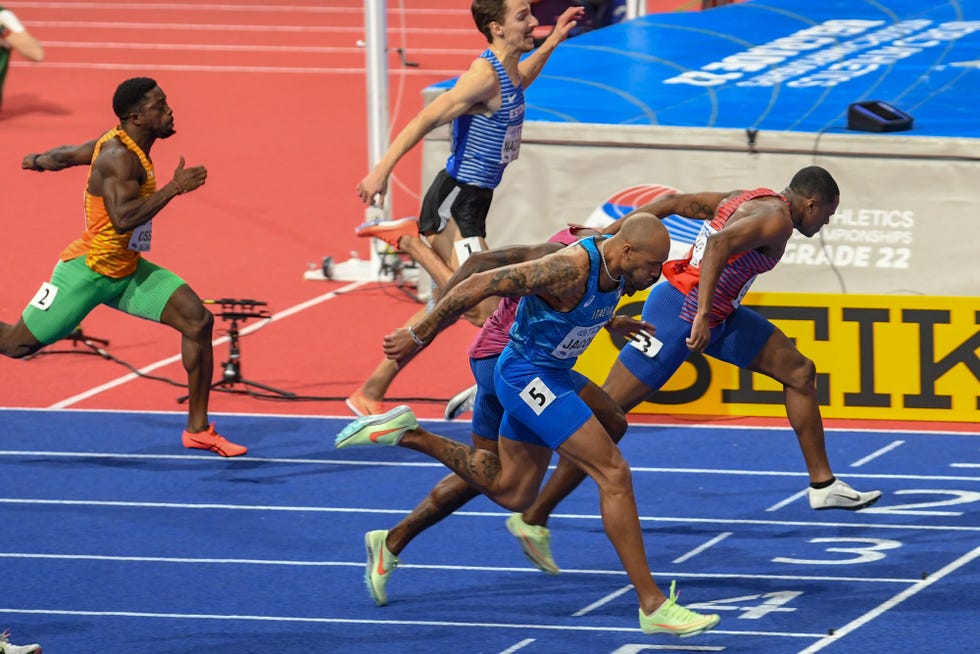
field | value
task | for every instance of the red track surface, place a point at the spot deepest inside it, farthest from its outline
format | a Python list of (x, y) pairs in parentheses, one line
[(283, 134), (271, 98)]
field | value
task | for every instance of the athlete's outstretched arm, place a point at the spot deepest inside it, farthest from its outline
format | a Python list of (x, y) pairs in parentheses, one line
[(699, 206), (59, 158), (21, 40), (531, 66), (556, 276), (473, 88), (489, 259)]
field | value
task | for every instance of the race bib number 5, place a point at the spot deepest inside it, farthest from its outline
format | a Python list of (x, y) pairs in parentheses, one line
[(537, 396)]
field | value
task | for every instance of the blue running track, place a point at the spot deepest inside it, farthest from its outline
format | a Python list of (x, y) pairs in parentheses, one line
[(114, 538)]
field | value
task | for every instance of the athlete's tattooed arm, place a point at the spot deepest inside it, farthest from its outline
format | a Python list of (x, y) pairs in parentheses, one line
[(490, 259), (559, 279), (699, 206)]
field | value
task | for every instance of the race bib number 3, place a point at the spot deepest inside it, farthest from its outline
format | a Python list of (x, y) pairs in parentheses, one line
[(537, 396), (44, 297), (646, 343)]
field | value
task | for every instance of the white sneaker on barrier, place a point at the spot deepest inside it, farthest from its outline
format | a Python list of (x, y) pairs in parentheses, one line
[(6, 647), (460, 403)]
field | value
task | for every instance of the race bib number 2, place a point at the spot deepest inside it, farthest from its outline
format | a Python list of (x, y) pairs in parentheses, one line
[(537, 396), (44, 297)]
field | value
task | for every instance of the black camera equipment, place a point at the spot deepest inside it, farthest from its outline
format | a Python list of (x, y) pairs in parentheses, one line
[(235, 311)]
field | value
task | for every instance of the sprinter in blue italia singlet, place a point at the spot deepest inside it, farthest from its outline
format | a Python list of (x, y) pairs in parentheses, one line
[(566, 297)]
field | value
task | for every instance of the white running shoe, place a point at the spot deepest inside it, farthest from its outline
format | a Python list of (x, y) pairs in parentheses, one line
[(841, 496), (460, 403), (6, 647)]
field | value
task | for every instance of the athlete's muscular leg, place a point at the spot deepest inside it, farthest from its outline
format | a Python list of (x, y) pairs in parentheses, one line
[(440, 262), (511, 477), (445, 498), (567, 476), (591, 449), (376, 386), (428, 258), (17, 341), (781, 360), (444, 244), (187, 314)]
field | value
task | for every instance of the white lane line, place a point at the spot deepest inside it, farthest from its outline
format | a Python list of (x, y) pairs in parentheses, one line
[(165, 362), (333, 509), (376, 462), (700, 548), (874, 455), (210, 457), (602, 600), (229, 7), (86, 25), (456, 568), (789, 500), (193, 68), (891, 603), (518, 646), (423, 623), (243, 47)]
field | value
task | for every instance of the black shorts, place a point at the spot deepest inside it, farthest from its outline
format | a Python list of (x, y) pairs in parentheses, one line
[(446, 198)]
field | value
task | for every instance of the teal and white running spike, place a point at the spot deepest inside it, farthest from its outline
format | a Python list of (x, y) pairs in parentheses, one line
[(382, 429)]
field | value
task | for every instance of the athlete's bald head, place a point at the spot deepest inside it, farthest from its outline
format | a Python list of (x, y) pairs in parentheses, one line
[(639, 250)]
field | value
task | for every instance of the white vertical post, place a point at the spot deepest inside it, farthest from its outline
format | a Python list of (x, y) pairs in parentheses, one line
[(376, 56), (375, 51), (635, 8)]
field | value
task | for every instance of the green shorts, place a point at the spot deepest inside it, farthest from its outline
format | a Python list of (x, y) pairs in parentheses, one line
[(75, 289)]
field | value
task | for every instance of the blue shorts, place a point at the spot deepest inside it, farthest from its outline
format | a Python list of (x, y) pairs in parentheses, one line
[(487, 410), (738, 340), (541, 405)]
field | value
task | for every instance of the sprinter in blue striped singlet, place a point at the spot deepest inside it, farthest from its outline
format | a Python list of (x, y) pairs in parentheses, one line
[(566, 297), (486, 109)]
